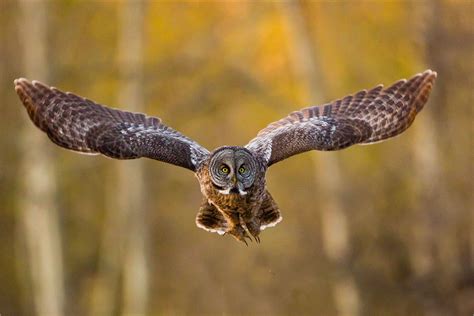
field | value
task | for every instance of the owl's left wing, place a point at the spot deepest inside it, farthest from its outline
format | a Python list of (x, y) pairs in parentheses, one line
[(363, 118), (82, 125)]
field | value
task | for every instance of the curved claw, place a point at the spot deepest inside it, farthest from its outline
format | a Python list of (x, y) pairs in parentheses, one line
[(257, 239), (250, 238)]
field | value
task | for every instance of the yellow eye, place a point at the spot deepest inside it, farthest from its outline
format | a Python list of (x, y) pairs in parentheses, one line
[(241, 170), (224, 169)]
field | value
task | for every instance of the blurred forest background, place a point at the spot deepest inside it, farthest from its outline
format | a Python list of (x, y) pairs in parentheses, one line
[(386, 229)]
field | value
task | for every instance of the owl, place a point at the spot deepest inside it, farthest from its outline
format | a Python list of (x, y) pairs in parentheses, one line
[(232, 178)]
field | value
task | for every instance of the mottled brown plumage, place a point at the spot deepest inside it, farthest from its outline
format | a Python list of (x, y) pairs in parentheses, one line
[(232, 178), (236, 214), (362, 118)]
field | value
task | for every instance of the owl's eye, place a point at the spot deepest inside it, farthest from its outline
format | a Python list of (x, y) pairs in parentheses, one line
[(242, 169), (224, 169)]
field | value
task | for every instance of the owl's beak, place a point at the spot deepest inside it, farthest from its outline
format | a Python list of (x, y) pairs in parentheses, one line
[(234, 190), (236, 187)]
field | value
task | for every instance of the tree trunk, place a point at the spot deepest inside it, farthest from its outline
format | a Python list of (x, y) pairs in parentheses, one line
[(335, 233), (38, 212), (430, 221), (123, 255), (132, 188), (426, 166)]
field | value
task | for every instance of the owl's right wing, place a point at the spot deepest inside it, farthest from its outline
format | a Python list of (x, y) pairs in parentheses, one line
[(82, 125), (363, 118)]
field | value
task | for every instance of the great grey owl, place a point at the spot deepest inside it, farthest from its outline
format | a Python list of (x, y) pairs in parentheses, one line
[(232, 178)]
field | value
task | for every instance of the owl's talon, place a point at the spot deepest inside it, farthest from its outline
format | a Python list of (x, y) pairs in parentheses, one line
[(240, 234), (254, 230)]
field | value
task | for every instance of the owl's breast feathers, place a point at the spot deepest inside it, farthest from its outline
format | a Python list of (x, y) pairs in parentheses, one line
[(236, 214), (232, 202)]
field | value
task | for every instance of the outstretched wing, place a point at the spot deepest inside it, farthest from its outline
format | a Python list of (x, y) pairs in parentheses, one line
[(82, 125), (363, 118)]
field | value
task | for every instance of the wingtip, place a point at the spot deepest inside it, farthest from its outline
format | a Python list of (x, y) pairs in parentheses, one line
[(430, 76), (25, 82), (430, 72), (17, 81)]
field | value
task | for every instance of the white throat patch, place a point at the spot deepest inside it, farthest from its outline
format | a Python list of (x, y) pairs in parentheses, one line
[(227, 191)]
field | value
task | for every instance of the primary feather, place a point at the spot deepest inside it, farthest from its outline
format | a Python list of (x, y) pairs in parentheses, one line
[(362, 118), (82, 125)]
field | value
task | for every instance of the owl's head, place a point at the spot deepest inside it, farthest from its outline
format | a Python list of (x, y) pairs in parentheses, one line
[(232, 170)]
